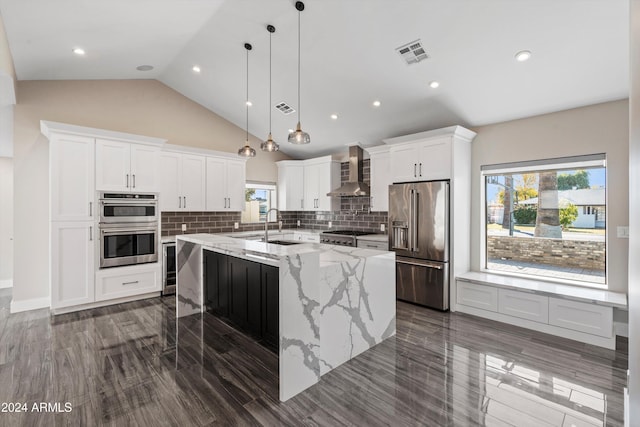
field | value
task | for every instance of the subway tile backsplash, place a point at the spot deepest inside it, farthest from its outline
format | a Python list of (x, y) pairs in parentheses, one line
[(353, 215)]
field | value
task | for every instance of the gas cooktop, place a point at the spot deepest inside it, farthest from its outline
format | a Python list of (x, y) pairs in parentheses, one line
[(348, 232)]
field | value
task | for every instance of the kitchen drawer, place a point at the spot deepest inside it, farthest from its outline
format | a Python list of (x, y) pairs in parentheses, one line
[(525, 305), (125, 282), (583, 317), (479, 296), (373, 244)]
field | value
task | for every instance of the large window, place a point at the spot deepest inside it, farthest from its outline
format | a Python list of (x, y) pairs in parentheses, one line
[(259, 198), (547, 218)]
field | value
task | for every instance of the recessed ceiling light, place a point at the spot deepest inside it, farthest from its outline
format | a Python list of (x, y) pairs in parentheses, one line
[(249, 103), (196, 69), (144, 67), (79, 51), (334, 116), (376, 103), (434, 84), (523, 55)]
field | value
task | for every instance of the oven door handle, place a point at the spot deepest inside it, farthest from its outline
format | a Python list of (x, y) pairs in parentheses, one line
[(109, 231), (126, 202)]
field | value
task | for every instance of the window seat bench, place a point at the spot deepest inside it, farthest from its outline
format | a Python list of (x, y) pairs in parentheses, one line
[(581, 314)]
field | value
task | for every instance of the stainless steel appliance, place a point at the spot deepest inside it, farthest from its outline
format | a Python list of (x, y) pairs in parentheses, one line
[(355, 186), (419, 235), (128, 229), (168, 268), (341, 237), (121, 208)]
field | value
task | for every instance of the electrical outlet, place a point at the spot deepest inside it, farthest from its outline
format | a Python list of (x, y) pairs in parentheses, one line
[(184, 227), (330, 224), (382, 227), (298, 223), (236, 225), (623, 231)]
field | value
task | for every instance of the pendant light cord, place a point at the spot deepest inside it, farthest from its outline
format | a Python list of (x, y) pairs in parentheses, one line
[(270, 34), (247, 101), (298, 66)]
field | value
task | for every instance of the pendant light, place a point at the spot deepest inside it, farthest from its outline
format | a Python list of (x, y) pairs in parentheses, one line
[(270, 144), (247, 151), (298, 136)]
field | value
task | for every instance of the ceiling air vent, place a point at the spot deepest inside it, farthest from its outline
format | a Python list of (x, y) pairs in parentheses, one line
[(284, 108), (412, 52)]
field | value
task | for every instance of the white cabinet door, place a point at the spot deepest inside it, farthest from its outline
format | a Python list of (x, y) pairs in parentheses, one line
[(328, 179), (236, 184), (72, 263), (216, 197), (72, 178), (579, 316), (170, 198), (128, 281), (380, 181), (193, 182), (144, 168), (311, 187), (404, 163), (525, 305), (113, 165), (475, 295), (290, 187), (435, 160)]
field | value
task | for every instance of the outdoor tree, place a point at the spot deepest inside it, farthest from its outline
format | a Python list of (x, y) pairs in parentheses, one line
[(248, 194), (548, 215), (578, 180), (507, 202), (568, 214)]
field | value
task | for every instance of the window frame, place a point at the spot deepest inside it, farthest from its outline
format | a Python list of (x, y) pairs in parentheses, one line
[(271, 186), (589, 161)]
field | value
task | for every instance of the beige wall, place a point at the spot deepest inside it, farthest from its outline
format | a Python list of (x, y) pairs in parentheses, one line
[(6, 220), (144, 107), (601, 128)]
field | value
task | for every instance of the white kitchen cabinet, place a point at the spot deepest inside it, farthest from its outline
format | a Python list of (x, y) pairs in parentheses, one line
[(182, 182), (525, 305), (226, 183), (72, 178), (321, 175), (123, 166), (290, 185), (73, 251), (380, 172), (422, 161), (580, 316), (472, 295), (128, 281)]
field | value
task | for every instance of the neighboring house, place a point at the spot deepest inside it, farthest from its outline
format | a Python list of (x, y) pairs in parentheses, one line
[(589, 201)]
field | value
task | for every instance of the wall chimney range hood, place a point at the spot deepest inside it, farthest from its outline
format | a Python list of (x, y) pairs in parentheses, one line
[(355, 186)]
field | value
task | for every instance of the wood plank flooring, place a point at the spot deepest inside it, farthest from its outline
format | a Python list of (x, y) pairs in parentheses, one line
[(134, 364)]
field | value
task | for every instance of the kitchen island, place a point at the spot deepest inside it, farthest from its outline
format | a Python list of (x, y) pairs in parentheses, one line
[(333, 302)]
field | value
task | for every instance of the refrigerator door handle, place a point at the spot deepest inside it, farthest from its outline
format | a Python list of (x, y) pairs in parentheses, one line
[(414, 226), (420, 264), (411, 213)]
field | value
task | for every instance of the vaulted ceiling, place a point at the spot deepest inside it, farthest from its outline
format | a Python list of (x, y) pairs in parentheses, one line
[(349, 58)]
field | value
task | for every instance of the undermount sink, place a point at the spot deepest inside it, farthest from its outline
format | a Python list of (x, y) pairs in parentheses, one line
[(283, 242)]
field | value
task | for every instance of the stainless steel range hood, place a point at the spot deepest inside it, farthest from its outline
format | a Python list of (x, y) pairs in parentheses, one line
[(355, 186)]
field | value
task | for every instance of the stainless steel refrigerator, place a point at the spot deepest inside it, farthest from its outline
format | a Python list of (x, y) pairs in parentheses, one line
[(419, 235)]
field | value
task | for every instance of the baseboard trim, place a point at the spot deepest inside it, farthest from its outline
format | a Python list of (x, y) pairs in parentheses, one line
[(8, 283), (29, 304), (621, 329), (104, 303)]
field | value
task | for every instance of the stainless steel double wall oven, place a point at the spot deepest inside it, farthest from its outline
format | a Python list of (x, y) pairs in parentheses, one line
[(128, 229)]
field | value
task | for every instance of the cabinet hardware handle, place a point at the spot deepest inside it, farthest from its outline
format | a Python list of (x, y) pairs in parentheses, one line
[(179, 202), (301, 203), (184, 198), (90, 208), (420, 171), (134, 180), (91, 233), (415, 165), (127, 180), (131, 283)]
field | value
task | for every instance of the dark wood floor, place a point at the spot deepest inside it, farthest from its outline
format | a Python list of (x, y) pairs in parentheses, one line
[(133, 364)]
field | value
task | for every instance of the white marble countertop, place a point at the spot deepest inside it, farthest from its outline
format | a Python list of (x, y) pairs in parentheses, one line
[(597, 296), (271, 254)]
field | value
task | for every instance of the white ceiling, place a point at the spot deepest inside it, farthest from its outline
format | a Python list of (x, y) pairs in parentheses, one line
[(580, 57)]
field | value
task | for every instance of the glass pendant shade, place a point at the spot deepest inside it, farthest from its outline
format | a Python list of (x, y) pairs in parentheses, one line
[(269, 145), (299, 137), (247, 151)]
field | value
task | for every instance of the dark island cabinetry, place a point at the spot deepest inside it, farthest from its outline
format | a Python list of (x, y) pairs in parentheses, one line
[(245, 293)]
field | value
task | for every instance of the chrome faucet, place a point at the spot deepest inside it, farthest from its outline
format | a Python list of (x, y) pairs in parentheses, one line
[(266, 223)]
